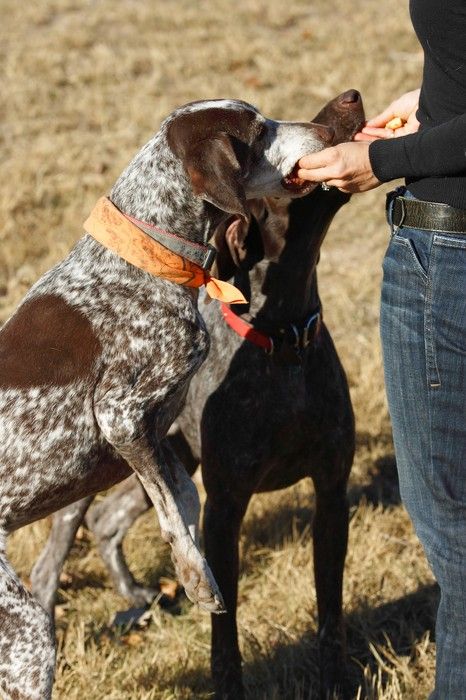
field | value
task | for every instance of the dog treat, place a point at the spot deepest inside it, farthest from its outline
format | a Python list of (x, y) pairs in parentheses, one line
[(394, 123)]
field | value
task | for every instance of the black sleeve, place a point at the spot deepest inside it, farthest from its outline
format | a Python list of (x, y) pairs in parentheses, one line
[(435, 151)]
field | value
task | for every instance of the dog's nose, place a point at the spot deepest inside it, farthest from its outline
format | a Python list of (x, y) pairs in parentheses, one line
[(350, 97), (325, 133)]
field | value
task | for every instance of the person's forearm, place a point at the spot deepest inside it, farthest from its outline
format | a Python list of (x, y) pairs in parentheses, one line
[(437, 151)]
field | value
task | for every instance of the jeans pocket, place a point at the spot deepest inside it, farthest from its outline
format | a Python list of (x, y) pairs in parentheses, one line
[(408, 267), (445, 313), (450, 241), (417, 250), (448, 282)]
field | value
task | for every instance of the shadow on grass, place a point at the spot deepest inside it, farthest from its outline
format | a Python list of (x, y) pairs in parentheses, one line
[(382, 488), (81, 581), (283, 521), (290, 671), (287, 520)]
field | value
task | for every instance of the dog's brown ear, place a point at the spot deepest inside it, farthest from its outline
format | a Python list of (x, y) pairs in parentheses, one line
[(215, 174), (229, 238), (235, 237), (213, 145)]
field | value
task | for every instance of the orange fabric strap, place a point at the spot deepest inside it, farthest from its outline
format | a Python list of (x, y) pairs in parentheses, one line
[(110, 227)]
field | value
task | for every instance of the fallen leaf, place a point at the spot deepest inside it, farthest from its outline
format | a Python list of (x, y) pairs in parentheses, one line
[(65, 579), (168, 587), (133, 639), (60, 612)]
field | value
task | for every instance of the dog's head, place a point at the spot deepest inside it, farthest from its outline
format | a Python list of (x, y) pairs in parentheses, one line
[(207, 160), (344, 114), (231, 153), (243, 242)]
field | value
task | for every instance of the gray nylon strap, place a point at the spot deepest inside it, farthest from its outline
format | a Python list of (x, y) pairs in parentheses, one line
[(202, 255)]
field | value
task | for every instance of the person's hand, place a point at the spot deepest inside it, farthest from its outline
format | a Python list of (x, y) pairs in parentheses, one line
[(346, 166), (404, 107)]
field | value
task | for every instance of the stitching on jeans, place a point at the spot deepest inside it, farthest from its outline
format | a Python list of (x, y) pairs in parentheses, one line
[(449, 243), (433, 376), (408, 245)]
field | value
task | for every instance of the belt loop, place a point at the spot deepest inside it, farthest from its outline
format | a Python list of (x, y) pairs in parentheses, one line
[(403, 212), (389, 208)]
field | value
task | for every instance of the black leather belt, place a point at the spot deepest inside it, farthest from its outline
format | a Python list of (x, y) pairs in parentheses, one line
[(427, 216)]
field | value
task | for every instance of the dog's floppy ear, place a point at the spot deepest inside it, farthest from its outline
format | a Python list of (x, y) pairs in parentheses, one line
[(229, 238), (213, 145), (235, 237), (239, 245), (215, 174)]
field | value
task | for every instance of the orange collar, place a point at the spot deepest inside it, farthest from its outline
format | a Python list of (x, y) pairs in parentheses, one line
[(120, 234)]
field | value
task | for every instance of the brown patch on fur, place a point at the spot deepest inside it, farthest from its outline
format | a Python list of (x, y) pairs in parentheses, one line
[(47, 342)]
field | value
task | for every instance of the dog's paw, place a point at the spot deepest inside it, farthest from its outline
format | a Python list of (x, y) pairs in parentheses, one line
[(198, 582)]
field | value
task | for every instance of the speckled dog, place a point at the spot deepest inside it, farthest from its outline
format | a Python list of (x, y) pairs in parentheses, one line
[(294, 403), (96, 361)]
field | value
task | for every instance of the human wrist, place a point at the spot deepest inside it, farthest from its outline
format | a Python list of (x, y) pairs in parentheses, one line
[(388, 159)]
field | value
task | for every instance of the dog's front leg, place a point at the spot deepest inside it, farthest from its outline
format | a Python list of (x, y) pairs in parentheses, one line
[(156, 475), (128, 420), (187, 491)]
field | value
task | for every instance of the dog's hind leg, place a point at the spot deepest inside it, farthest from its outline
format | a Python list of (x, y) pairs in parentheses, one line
[(45, 575), (27, 640), (109, 520)]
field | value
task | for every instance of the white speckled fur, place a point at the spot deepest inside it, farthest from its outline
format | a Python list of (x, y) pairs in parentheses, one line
[(59, 444)]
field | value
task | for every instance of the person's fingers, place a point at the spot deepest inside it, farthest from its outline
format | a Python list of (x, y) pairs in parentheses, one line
[(317, 160), (324, 174), (381, 119), (404, 131), (411, 127), (378, 132), (362, 136)]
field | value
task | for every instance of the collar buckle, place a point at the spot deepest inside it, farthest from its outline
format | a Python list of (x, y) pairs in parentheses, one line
[(209, 257), (307, 328)]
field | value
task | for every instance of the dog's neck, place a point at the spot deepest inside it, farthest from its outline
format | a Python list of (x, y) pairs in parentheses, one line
[(285, 289), (155, 188)]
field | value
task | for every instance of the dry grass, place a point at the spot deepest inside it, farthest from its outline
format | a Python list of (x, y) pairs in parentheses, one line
[(87, 83)]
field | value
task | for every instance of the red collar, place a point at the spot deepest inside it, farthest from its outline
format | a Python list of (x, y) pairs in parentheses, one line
[(246, 330), (301, 337)]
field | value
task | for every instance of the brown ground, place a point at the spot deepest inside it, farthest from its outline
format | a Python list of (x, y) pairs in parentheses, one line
[(86, 83)]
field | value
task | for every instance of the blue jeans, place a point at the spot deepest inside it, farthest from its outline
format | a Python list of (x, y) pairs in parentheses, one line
[(423, 329)]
